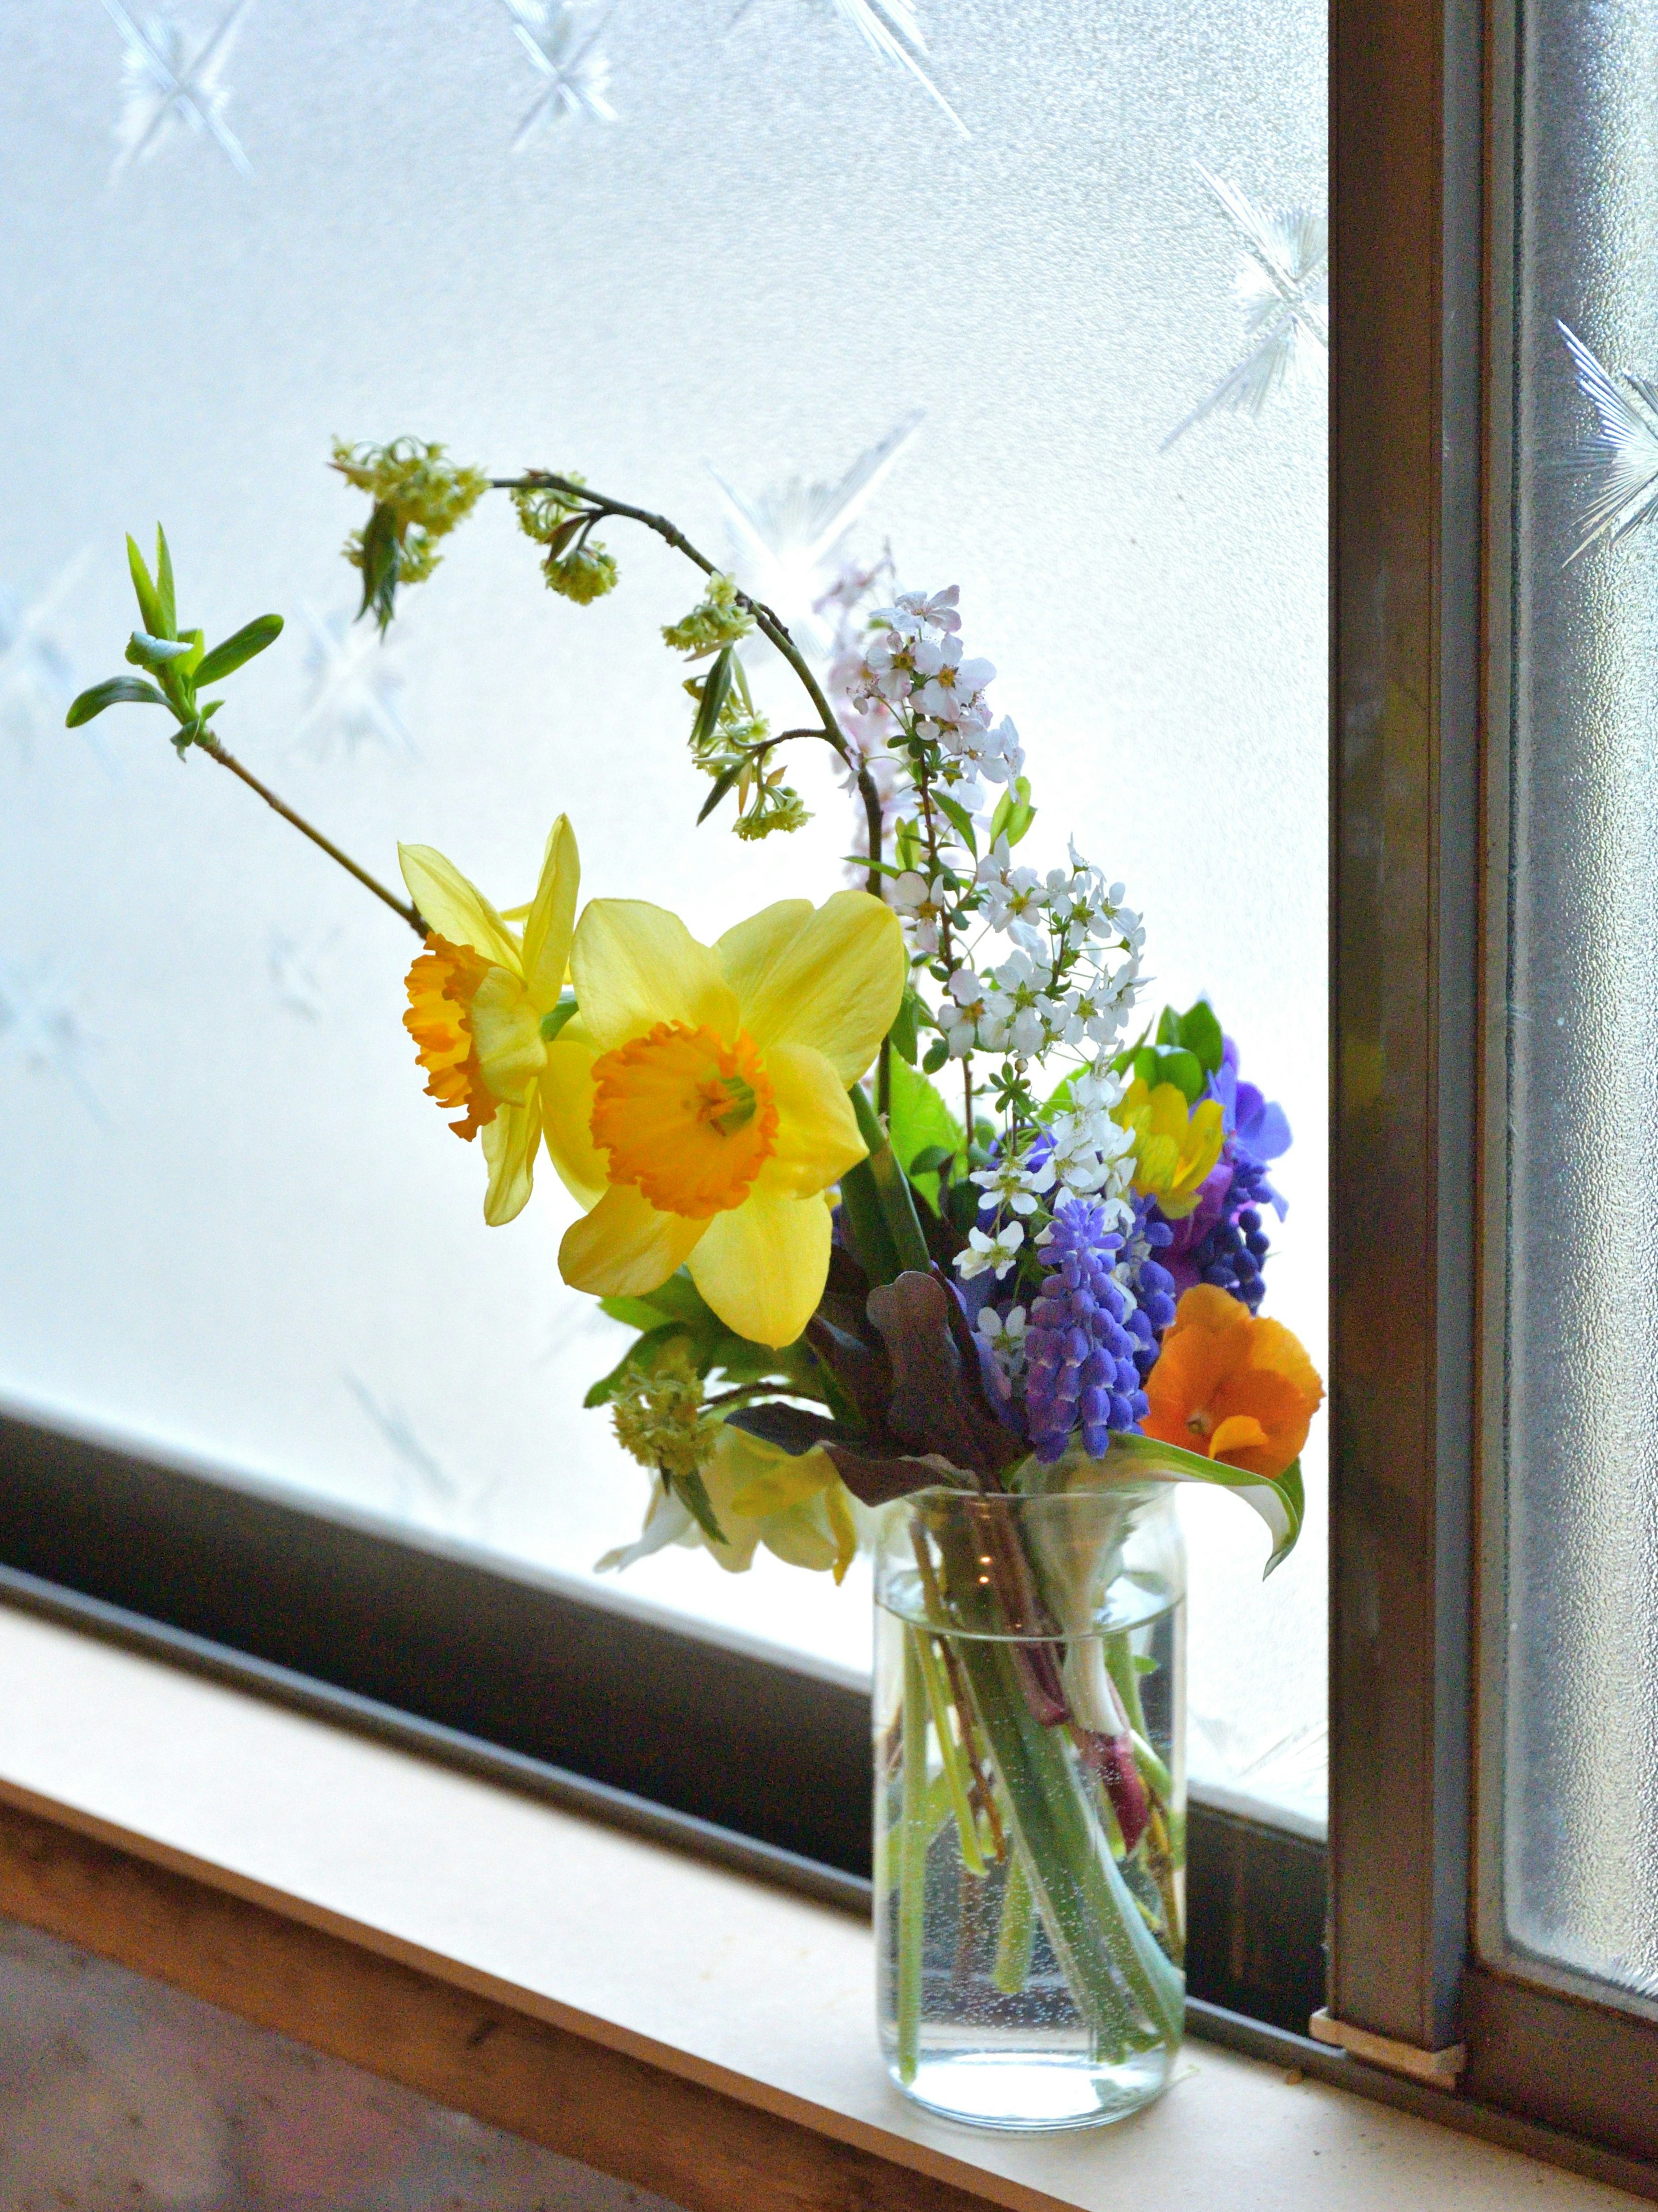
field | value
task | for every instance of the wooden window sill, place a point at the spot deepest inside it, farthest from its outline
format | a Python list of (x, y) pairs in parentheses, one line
[(662, 2018)]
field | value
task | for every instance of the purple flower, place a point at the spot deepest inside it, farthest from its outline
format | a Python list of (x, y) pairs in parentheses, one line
[(1081, 1372)]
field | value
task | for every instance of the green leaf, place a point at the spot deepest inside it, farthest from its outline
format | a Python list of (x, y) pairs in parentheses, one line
[(1200, 1032), (224, 659), (1185, 1070), (922, 1128), (1014, 813), (957, 814), (937, 1053), (118, 691), (554, 1020), (636, 1313), (722, 784), (892, 1190), (145, 651), (1168, 1027), (693, 1491), (150, 605), (164, 593), (1281, 1504), (716, 690), (637, 1357), (379, 566), (905, 1040), (1145, 1064)]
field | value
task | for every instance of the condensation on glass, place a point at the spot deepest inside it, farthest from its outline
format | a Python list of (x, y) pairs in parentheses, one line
[(705, 254), (1572, 1876)]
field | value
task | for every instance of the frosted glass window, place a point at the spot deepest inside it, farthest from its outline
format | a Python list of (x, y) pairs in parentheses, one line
[(1579, 1834), (701, 253)]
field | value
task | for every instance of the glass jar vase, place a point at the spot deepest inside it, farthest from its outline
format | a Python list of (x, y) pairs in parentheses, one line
[(1030, 1800)]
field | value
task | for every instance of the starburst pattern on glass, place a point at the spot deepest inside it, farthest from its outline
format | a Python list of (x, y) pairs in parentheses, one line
[(40, 1026), (413, 1457), (169, 88), (1283, 287), (354, 681), (1618, 465), (565, 52), (37, 679), (786, 542), (298, 971), (891, 30)]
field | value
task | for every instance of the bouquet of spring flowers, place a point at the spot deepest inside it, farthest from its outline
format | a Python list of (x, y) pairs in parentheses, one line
[(902, 1193)]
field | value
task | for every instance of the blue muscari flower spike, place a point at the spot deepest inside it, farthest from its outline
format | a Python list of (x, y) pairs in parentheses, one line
[(1152, 1283), (1081, 1370)]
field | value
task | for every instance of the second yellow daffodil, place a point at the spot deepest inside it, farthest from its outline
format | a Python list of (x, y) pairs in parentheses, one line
[(479, 998), (1175, 1147), (697, 1105)]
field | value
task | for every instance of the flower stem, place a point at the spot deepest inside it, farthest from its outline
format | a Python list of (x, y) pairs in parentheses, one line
[(954, 1766), (406, 908), (769, 624), (1011, 1968), (914, 1836)]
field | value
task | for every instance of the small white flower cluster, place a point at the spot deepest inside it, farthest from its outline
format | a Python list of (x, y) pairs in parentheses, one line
[(914, 668), (1067, 975)]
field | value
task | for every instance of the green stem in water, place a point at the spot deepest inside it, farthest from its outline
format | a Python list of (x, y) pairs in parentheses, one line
[(1117, 1972), (913, 1836), (1011, 1969), (954, 1766)]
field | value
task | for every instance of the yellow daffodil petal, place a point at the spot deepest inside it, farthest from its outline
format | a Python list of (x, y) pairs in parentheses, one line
[(456, 909), (837, 1505), (624, 1248), (748, 950), (789, 1479), (506, 1031), (566, 1106), (635, 965), (550, 924), (762, 1265), (832, 980), (818, 1138), (509, 1148), (1167, 1113)]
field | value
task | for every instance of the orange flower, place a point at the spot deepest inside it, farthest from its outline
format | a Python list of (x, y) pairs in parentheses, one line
[(1234, 1388)]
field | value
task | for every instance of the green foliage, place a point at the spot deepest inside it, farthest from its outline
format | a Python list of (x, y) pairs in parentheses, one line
[(1187, 1052), (923, 1132), (176, 658), (419, 496), (719, 618), (675, 1318), (906, 1029), (584, 575), (732, 743), (1014, 813)]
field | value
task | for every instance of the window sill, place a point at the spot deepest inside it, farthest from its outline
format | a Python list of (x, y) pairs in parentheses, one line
[(665, 2020)]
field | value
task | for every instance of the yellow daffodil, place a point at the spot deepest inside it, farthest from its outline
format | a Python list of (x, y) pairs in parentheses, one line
[(797, 1506), (697, 1105), (478, 996), (1175, 1147)]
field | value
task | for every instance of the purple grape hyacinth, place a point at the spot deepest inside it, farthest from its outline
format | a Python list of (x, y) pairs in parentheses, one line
[(1081, 1369)]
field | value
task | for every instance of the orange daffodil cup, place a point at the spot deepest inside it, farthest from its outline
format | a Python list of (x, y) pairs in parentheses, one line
[(692, 1098), (699, 1106), (482, 1001)]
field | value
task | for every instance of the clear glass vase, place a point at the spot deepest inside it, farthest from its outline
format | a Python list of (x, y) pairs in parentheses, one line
[(1031, 1800)]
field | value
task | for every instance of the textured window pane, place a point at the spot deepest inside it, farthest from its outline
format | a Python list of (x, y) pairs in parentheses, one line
[(1580, 1831), (231, 1224)]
